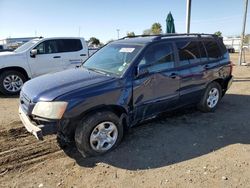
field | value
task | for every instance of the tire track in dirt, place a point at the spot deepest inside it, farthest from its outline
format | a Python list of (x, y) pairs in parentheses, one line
[(18, 148)]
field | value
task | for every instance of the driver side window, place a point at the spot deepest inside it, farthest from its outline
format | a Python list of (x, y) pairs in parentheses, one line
[(158, 57), (40, 48), (47, 47)]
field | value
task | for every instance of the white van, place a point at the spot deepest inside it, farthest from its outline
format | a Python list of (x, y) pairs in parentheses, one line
[(37, 57)]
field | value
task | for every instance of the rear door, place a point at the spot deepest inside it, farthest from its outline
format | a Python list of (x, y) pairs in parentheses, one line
[(190, 69), (158, 90), (73, 52)]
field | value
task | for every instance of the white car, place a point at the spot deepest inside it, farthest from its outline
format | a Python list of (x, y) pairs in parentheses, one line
[(37, 57)]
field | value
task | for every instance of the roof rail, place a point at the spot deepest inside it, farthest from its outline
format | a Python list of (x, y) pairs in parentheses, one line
[(158, 37), (127, 37)]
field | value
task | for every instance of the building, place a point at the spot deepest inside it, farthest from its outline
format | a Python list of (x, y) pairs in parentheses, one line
[(235, 43), (13, 43), (232, 42)]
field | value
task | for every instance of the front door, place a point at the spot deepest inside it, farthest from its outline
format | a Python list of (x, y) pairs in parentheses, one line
[(157, 90), (48, 58)]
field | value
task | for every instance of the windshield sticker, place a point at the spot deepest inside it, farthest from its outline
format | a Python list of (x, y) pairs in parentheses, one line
[(127, 50)]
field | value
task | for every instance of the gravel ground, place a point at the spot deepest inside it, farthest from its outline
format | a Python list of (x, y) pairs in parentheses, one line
[(182, 149)]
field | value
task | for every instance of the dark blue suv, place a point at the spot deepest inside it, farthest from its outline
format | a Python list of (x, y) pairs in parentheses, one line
[(124, 83)]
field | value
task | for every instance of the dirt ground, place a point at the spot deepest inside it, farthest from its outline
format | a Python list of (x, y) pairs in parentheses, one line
[(182, 149)]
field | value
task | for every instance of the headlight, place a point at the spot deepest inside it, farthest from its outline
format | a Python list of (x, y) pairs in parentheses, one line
[(50, 110)]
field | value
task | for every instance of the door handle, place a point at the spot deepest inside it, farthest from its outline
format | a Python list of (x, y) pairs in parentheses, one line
[(173, 75), (83, 54), (57, 57)]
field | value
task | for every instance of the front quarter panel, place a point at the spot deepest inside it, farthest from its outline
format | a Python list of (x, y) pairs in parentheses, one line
[(116, 93), (15, 60)]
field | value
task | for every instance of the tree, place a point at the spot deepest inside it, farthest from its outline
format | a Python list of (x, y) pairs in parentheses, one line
[(247, 39), (147, 32), (156, 29), (94, 41), (130, 34), (218, 33)]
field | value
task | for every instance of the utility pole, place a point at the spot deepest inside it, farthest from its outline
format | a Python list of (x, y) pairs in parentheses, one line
[(188, 16), (243, 31), (118, 33)]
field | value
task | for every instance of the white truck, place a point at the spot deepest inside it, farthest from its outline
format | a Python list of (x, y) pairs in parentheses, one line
[(37, 57)]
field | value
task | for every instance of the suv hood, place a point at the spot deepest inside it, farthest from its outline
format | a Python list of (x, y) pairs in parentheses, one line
[(51, 86)]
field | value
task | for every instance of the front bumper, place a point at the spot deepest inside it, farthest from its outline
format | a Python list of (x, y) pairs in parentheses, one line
[(37, 130)]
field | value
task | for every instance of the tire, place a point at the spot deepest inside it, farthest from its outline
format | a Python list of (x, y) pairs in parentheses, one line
[(8, 76), (93, 130), (61, 143), (214, 92)]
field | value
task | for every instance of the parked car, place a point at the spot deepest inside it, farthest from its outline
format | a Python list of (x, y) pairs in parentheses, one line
[(230, 49), (4, 48), (37, 57), (126, 82)]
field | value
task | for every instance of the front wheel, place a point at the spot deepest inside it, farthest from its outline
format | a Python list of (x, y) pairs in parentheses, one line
[(11, 82), (211, 98), (98, 133)]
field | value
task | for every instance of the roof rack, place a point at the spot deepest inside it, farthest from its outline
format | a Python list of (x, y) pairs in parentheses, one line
[(158, 37)]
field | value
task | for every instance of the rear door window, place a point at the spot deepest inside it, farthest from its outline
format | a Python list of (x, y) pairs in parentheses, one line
[(188, 52), (70, 45), (203, 53), (213, 49)]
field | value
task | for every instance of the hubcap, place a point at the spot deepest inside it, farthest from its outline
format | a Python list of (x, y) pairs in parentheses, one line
[(213, 98), (103, 137), (12, 83)]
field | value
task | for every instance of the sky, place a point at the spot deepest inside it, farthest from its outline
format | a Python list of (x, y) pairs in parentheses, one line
[(102, 18)]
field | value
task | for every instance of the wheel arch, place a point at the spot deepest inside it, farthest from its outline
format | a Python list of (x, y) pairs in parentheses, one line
[(118, 110), (221, 82), (14, 68)]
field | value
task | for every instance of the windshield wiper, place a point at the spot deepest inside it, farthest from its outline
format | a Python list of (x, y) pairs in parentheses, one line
[(98, 71)]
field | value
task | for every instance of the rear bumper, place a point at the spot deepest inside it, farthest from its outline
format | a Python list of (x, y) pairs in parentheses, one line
[(229, 82), (37, 130)]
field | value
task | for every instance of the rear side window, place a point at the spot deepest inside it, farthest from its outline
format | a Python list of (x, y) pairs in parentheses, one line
[(158, 57), (213, 49), (203, 53), (222, 46), (69, 45), (188, 52)]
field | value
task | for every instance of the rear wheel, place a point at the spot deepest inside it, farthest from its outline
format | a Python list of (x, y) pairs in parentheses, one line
[(98, 133), (211, 98), (11, 82)]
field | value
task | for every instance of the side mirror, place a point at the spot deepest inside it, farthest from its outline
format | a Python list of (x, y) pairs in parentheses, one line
[(142, 71), (33, 53)]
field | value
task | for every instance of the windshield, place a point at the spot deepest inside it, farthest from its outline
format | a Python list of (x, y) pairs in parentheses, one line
[(113, 58), (25, 46)]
